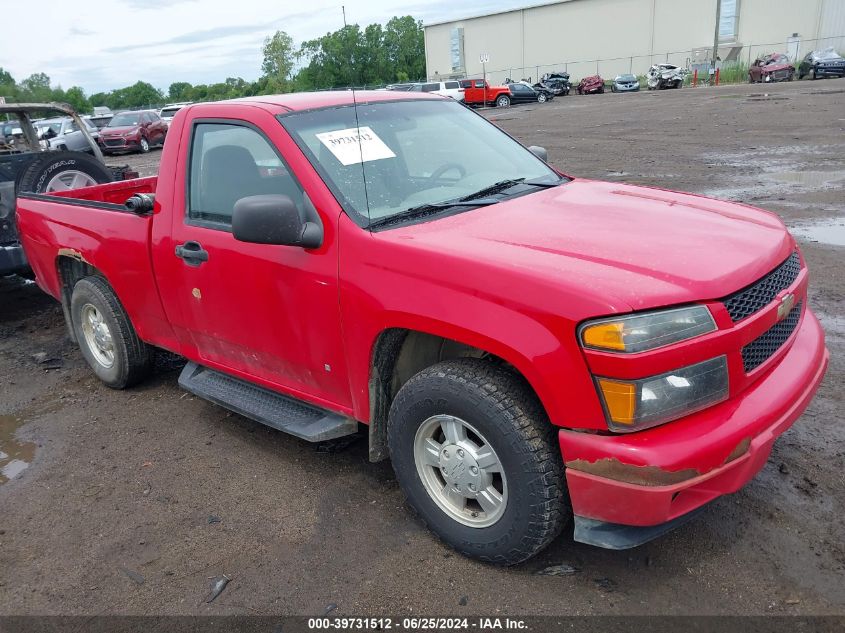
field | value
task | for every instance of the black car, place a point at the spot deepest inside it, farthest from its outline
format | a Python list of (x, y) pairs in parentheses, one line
[(557, 82), (818, 64), (523, 93)]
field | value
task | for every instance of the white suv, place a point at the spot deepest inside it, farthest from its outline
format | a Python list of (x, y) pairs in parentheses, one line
[(446, 88)]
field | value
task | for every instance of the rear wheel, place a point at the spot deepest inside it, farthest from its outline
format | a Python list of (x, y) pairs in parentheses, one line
[(105, 335), (60, 171), (476, 458)]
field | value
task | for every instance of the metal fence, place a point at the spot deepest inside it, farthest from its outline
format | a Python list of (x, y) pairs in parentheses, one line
[(741, 57)]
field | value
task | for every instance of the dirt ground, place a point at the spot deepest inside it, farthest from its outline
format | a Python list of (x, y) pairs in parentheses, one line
[(129, 502)]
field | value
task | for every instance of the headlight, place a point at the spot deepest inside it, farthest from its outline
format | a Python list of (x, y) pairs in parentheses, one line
[(633, 405), (646, 331)]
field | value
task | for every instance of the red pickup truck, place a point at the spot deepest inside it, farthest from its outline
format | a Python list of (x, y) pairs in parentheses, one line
[(526, 347)]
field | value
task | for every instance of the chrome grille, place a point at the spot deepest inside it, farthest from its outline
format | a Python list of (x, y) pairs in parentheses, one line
[(762, 292), (761, 349)]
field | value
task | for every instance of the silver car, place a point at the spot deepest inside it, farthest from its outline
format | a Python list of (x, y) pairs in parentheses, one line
[(63, 133), (625, 83)]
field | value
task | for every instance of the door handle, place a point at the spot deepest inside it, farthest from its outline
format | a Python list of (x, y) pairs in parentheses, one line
[(192, 253)]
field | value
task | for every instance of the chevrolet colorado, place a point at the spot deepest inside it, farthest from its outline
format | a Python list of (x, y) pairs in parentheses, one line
[(526, 347)]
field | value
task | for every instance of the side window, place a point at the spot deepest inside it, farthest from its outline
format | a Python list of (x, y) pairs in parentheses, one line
[(229, 162), (479, 83), (71, 126), (430, 87), (452, 85)]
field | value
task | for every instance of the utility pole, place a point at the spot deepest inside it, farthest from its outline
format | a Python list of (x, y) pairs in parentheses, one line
[(716, 34)]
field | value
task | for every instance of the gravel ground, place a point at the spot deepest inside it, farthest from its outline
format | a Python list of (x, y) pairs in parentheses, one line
[(132, 500)]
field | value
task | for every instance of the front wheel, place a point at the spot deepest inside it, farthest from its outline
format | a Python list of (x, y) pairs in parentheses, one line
[(105, 335), (144, 145), (503, 101), (541, 98), (476, 458)]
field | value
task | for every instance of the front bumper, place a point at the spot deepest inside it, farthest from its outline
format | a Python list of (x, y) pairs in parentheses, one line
[(661, 474), (120, 144), (835, 71)]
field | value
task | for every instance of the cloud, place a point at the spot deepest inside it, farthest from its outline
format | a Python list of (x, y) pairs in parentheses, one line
[(75, 30)]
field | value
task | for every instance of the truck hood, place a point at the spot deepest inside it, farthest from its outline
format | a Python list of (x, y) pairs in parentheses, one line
[(626, 247)]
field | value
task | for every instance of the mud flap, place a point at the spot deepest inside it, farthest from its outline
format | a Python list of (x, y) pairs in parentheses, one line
[(618, 536)]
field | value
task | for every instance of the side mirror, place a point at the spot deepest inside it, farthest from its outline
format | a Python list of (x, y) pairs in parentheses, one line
[(273, 219), (539, 152)]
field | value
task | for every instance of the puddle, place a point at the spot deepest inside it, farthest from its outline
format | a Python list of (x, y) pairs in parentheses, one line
[(767, 98), (15, 456), (829, 231), (809, 178)]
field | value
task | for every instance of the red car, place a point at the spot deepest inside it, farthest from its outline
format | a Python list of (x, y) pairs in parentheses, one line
[(133, 131), (771, 68), (591, 85), (506, 332)]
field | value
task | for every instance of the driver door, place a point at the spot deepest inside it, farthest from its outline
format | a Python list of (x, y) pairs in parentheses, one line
[(264, 312)]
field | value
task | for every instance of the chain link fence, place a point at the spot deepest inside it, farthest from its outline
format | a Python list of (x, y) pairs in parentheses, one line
[(734, 66)]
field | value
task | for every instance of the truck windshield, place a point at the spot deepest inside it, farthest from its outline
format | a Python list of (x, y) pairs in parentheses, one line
[(413, 155)]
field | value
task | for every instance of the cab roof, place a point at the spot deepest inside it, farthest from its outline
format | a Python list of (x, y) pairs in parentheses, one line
[(300, 101)]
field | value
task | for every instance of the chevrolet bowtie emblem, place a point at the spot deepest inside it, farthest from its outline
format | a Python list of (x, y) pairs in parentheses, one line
[(786, 305)]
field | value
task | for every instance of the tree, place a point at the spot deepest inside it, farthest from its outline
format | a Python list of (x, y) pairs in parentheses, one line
[(279, 57), (405, 44), (75, 96), (179, 91), (36, 87)]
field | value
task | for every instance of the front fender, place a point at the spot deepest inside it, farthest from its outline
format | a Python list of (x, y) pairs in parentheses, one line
[(539, 343)]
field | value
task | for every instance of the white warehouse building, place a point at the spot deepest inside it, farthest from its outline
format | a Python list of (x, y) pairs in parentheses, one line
[(610, 37)]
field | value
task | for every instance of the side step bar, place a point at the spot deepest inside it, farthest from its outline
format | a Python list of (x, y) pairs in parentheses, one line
[(268, 407)]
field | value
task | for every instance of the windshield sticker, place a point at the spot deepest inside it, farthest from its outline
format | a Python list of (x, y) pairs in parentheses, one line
[(349, 146)]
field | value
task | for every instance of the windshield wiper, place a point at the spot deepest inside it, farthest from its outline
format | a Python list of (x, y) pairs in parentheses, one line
[(423, 210), (502, 185)]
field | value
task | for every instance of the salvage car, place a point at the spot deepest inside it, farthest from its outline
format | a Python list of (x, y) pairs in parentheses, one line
[(28, 163), (521, 92), (590, 85), (625, 83), (665, 76), (63, 133), (557, 82), (169, 111), (504, 331), (451, 89), (134, 131), (771, 68), (821, 64)]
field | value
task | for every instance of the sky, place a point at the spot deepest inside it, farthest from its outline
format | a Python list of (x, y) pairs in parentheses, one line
[(107, 44)]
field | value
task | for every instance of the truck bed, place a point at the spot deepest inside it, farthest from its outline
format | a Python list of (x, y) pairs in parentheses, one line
[(91, 226), (112, 192)]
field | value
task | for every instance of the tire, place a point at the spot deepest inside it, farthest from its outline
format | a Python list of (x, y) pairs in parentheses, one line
[(503, 101), (502, 418), (144, 145), (601, 90), (58, 171), (101, 326), (541, 98), (812, 74)]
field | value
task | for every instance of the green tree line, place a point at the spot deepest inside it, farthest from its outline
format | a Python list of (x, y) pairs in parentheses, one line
[(350, 56)]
